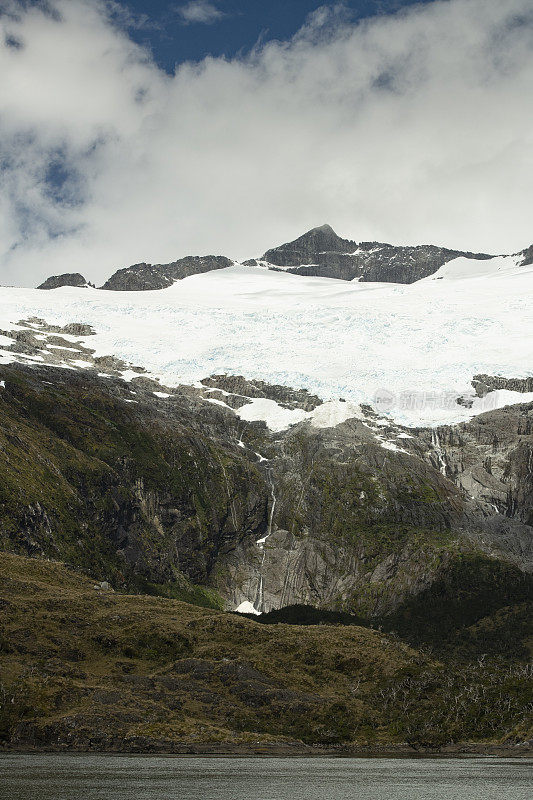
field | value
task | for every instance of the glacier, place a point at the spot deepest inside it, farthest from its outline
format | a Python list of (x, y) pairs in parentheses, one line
[(409, 350)]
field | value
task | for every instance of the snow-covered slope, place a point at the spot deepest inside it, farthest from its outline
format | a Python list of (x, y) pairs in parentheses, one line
[(410, 350), (468, 268)]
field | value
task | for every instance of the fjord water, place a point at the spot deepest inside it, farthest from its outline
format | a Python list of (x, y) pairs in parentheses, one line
[(98, 777)]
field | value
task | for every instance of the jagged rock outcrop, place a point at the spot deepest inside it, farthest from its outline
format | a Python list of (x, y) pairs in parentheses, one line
[(491, 459), (365, 528), (68, 279), (239, 386), (143, 277), (527, 256), (322, 253), (483, 384)]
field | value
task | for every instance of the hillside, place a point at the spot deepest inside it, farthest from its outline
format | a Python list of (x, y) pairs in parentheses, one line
[(84, 668), (167, 492), (347, 463)]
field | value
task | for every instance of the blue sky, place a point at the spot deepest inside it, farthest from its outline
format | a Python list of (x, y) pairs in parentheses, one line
[(230, 26)]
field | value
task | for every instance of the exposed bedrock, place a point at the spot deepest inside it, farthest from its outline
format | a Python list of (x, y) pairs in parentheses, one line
[(322, 253), (362, 528), (143, 277), (174, 493)]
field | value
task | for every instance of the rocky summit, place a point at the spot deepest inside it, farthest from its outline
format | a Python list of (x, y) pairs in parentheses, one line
[(322, 253), (143, 277), (68, 279), (319, 252)]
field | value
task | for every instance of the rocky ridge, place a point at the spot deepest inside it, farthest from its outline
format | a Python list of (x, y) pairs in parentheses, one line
[(319, 252), (146, 277), (527, 256), (322, 253), (67, 279)]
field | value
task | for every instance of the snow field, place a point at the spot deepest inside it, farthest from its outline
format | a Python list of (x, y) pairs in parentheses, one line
[(418, 346)]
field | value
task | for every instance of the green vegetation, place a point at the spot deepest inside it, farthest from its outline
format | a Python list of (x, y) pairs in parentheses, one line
[(430, 645), (471, 587), (84, 668), (81, 662), (116, 492), (480, 700), (188, 593)]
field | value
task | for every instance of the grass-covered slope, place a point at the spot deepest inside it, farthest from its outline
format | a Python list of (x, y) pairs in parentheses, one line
[(85, 668), (92, 668)]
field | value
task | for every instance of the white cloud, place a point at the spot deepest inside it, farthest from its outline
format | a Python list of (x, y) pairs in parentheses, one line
[(412, 128), (199, 11)]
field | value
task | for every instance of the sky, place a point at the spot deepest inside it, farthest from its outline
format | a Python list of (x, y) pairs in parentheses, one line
[(148, 131), (190, 31)]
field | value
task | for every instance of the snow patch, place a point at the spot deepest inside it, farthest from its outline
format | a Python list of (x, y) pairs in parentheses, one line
[(276, 417), (333, 413), (60, 347), (463, 268), (129, 374), (499, 399), (247, 608), (391, 446), (217, 402)]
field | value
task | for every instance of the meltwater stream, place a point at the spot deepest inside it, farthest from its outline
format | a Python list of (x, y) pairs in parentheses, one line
[(98, 777), (260, 594)]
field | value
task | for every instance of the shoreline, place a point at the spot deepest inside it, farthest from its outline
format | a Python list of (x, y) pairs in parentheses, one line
[(288, 750)]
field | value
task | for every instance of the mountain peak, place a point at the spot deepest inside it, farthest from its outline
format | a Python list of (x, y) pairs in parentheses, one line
[(323, 229), (321, 252), (307, 248), (323, 234)]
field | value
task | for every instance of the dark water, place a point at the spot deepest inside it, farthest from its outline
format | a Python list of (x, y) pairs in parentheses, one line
[(88, 777)]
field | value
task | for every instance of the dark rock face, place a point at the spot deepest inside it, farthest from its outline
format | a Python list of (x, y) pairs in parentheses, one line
[(362, 528), (239, 386), (68, 279), (130, 491), (143, 277), (491, 459), (483, 384), (527, 256), (322, 253)]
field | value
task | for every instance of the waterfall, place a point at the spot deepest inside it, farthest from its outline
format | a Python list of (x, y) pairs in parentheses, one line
[(435, 443), (261, 542), (259, 597)]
